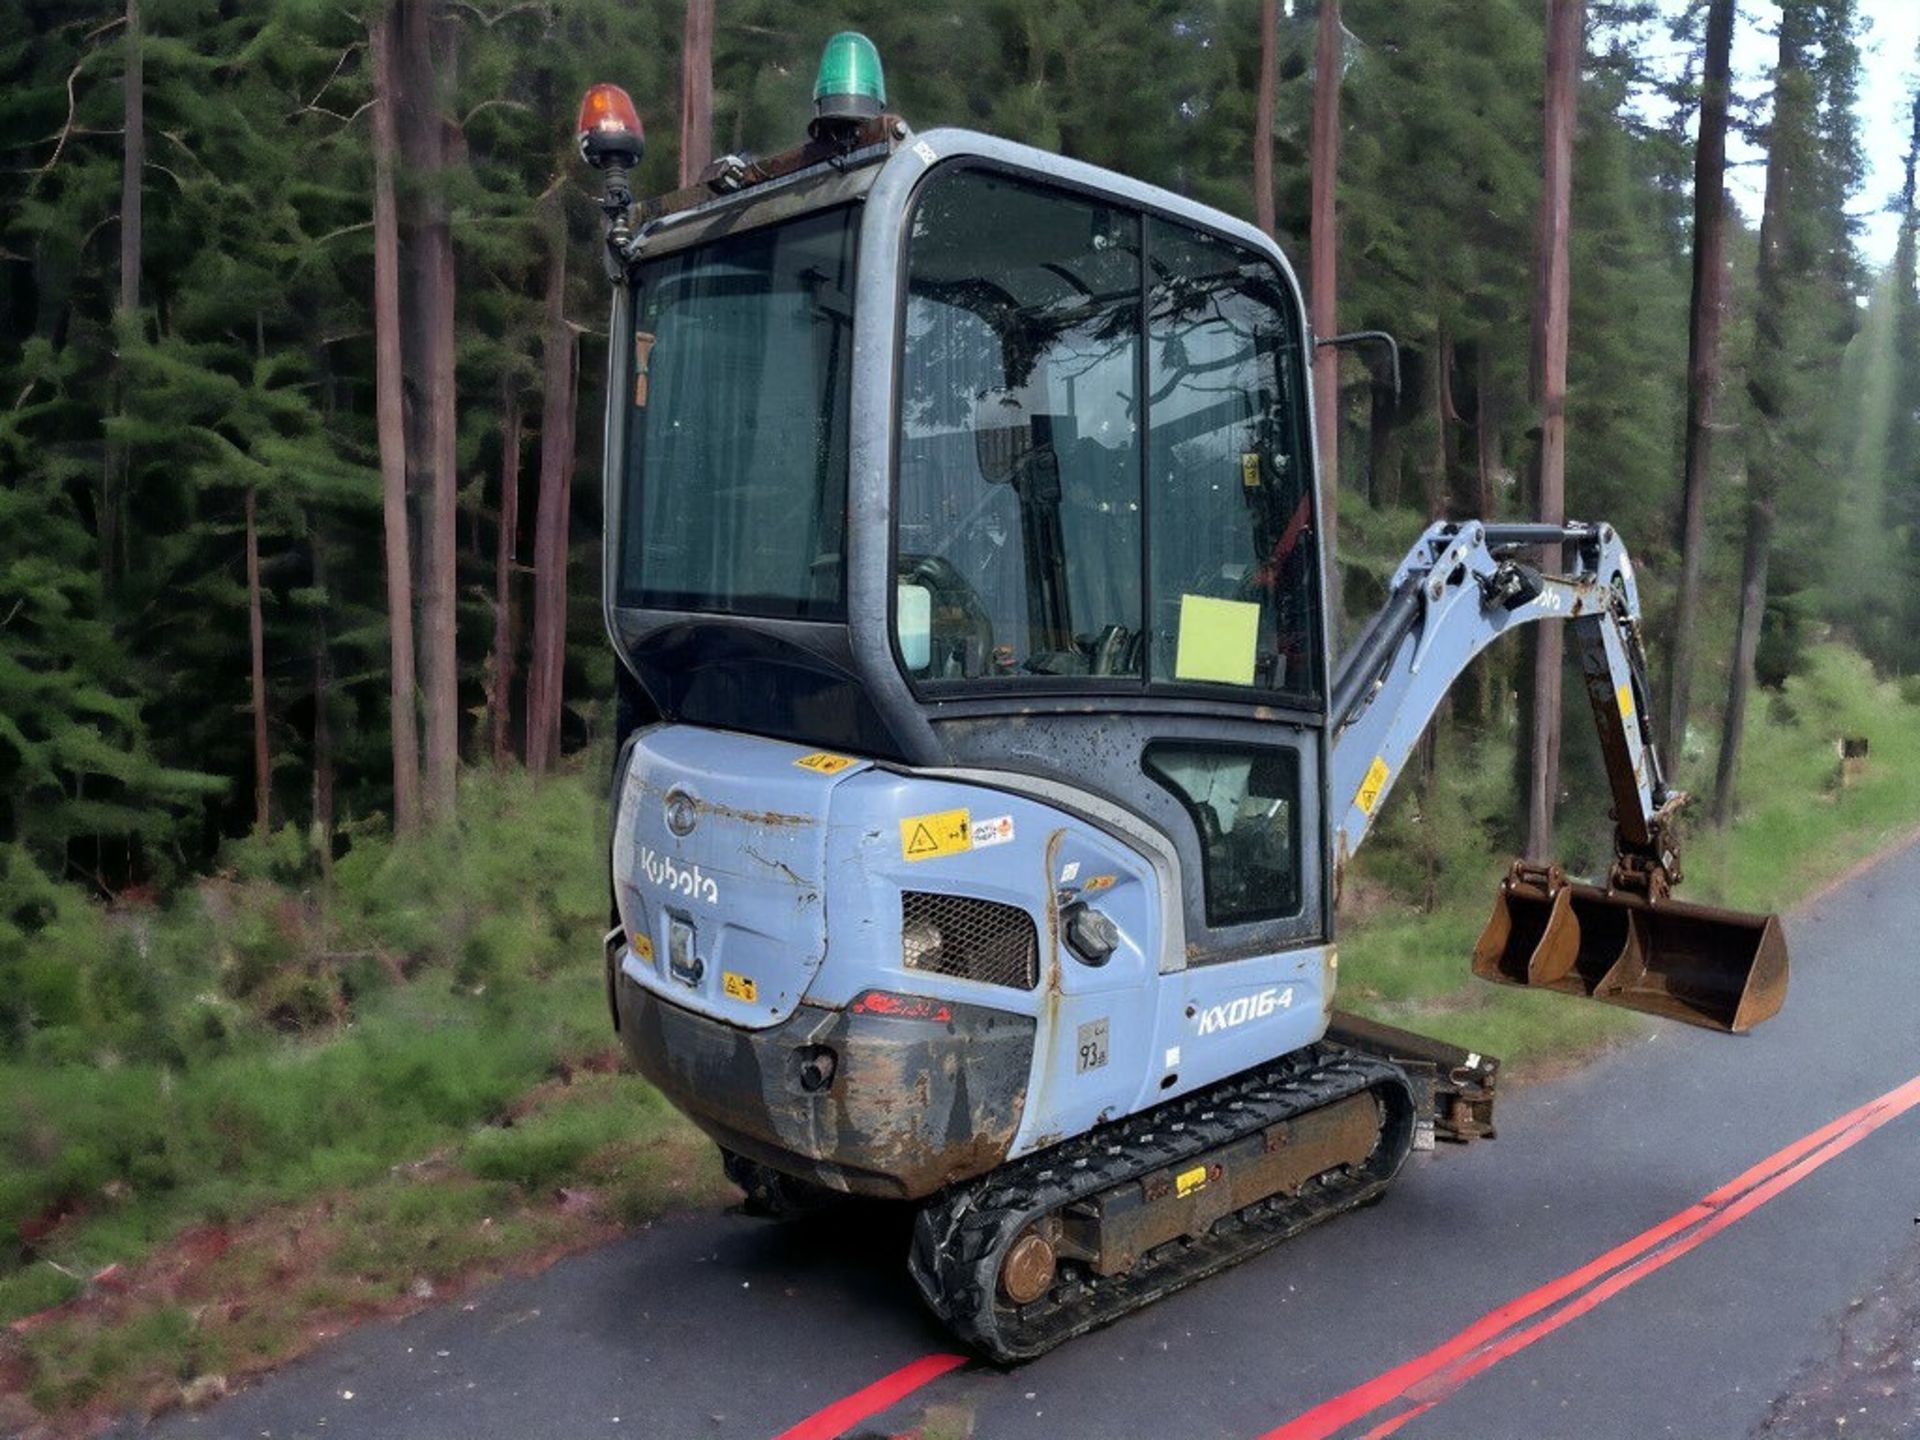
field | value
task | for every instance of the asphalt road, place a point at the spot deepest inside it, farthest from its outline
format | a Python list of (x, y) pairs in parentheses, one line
[(1784, 1321)]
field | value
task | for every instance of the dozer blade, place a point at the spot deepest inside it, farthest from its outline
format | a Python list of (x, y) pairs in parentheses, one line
[(1719, 969)]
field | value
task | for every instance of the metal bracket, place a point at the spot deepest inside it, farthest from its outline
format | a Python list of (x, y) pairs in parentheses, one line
[(1355, 339)]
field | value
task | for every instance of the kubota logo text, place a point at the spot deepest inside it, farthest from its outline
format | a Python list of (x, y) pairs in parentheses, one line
[(681, 879), (1247, 1007)]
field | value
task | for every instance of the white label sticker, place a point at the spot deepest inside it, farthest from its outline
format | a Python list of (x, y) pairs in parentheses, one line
[(1173, 1057), (925, 152), (997, 831), (1069, 871), (1092, 1049)]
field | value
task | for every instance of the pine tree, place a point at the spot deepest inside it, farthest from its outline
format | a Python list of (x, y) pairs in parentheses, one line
[(1325, 276), (1552, 296), (696, 91), (1703, 361), (388, 382), (1779, 335)]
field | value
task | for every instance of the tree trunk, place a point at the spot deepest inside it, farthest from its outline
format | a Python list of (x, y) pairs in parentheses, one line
[(322, 828), (1746, 644), (1703, 361), (1435, 475), (1263, 211), (1383, 446), (500, 711), (1486, 434), (696, 90), (1324, 257), (1490, 671), (1565, 22), (548, 668), (133, 160), (257, 637), (1767, 378), (425, 70), (440, 549), (389, 407)]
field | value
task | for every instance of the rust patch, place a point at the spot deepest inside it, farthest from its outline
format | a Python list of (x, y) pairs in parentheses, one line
[(778, 819)]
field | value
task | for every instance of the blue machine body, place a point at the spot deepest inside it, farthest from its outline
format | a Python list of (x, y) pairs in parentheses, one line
[(786, 891)]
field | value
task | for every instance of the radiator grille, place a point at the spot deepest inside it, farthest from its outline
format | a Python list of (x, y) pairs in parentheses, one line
[(971, 939)]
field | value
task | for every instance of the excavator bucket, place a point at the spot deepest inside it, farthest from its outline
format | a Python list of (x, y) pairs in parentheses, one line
[(1719, 969)]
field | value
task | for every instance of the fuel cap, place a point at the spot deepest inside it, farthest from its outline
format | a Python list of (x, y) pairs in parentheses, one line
[(1091, 935)]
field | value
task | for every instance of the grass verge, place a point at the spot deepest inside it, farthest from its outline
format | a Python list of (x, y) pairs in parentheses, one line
[(237, 1122), (581, 1160)]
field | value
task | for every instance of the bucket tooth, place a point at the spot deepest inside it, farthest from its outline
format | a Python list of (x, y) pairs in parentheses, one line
[(1720, 969)]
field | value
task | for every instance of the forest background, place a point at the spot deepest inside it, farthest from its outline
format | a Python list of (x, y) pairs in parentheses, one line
[(305, 704)]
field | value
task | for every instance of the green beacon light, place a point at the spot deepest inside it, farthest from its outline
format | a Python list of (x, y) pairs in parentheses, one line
[(850, 86)]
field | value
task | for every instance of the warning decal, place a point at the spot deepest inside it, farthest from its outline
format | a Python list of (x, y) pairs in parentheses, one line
[(739, 987), (926, 837), (1624, 695), (1372, 786), (1188, 1181), (824, 762)]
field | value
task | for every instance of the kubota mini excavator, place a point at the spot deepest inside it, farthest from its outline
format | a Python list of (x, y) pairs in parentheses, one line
[(985, 784)]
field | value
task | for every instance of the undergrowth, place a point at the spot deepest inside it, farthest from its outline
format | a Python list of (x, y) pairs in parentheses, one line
[(266, 1037)]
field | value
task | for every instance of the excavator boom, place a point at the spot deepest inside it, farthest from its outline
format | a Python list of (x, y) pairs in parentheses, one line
[(1626, 942)]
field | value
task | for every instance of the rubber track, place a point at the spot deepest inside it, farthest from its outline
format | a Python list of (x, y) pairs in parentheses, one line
[(961, 1237)]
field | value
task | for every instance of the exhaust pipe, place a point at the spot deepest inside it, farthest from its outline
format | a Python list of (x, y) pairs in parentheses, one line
[(1719, 969)]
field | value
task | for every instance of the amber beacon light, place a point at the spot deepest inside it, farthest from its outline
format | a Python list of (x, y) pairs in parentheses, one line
[(610, 132)]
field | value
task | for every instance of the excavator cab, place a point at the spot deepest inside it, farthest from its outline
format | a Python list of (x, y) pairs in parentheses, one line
[(952, 455)]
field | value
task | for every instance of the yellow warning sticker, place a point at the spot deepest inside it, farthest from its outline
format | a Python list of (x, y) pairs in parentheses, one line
[(642, 948), (1372, 786), (739, 987), (1250, 471), (1188, 1181), (924, 837), (1625, 696), (824, 762)]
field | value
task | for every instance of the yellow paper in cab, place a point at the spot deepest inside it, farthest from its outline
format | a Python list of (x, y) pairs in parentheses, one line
[(1218, 639)]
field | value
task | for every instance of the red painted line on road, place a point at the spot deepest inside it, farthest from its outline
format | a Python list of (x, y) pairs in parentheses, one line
[(1481, 1345), (842, 1415)]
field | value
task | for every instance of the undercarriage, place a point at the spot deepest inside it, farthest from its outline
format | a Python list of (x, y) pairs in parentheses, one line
[(1052, 1245)]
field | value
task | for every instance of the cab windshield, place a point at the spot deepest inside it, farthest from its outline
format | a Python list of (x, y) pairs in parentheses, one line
[(737, 447), (1103, 475)]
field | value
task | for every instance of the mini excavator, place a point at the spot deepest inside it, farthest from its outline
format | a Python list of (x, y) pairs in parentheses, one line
[(984, 781)]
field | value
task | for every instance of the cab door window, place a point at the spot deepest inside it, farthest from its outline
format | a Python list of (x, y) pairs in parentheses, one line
[(1234, 548), (1019, 540)]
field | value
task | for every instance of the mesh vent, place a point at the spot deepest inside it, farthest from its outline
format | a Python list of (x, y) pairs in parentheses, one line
[(971, 939)]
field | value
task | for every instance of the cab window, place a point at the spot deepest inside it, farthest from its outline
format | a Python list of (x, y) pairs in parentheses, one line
[(1102, 476)]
